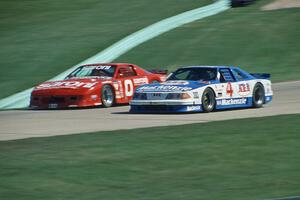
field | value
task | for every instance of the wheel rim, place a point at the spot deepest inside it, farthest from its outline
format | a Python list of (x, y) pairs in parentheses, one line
[(107, 96)]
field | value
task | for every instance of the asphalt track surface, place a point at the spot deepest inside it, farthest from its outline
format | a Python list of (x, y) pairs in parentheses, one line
[(18, 124)]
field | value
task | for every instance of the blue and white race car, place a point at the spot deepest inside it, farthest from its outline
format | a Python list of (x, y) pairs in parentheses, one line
[(203, 89)]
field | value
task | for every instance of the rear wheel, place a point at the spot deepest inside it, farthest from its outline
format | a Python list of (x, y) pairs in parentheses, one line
[(107, 96), (258, 95), (208, 100)]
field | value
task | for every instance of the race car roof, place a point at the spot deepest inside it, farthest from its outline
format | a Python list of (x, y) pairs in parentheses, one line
[(217, 67), (96, 64)]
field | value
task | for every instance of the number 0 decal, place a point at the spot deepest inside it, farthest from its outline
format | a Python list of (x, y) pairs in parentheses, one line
[(128, 88)]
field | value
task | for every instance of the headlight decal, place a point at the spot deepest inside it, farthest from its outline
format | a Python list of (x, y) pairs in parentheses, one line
[(178, 96), (140, 96)]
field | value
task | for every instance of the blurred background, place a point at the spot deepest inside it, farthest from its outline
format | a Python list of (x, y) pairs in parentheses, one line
[(40, 39), (242, 159)]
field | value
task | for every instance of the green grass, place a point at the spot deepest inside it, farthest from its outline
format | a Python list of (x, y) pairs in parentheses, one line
[(238, 159), (40, 39), (258, 41)]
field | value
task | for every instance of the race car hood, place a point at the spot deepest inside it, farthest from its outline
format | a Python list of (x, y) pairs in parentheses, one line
[(69, 86), (172, 86)]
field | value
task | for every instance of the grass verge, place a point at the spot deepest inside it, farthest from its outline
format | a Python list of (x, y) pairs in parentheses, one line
[(236, 159), (40, 39), (256, 40)]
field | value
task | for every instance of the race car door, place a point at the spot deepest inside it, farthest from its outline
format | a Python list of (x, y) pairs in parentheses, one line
[(130, 80), (227, 87), (231, 94)]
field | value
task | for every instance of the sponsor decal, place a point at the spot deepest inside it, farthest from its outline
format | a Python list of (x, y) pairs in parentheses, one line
[(205, 82), (121, 90), (116, 85), (70, 84), (92, 79), (157, 96), (118, 96), (193, 108), (244, 89), (94, 97), (268, 98), (53, 105), (163, 88), (175, 83), (89, 85), (140, 81), (105, 67), (196, 95), (219, 87), (229, 90), (106, 82), (226, 102)]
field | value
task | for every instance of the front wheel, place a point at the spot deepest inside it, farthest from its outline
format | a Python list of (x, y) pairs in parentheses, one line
[(208, 100), (258, 95), (107, 96)]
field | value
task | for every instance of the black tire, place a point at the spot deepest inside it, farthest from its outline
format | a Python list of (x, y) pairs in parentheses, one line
[(208, 100), (107, 96), (258, 96)]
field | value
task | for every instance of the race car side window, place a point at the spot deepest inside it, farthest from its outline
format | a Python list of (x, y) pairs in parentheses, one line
[(240, 75), (126, 71), (226, 75)]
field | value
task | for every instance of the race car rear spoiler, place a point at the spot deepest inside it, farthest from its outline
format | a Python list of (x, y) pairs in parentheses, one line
[(159, 71), (261, 75)]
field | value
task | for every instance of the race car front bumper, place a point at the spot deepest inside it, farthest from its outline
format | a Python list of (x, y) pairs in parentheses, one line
[(171, 106)]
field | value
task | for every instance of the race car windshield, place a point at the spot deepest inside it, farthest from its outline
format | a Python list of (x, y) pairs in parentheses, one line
[(194, 74), (98, 71)]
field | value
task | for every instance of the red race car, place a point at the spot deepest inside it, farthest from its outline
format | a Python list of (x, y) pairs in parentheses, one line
[(93, 85)]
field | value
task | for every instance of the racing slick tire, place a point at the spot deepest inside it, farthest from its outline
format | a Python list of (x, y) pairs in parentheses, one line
[(258, 96), (107, 96), (208, 100)]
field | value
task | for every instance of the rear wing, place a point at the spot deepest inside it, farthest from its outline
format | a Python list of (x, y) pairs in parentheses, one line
[(261, 75), (159, 71)]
